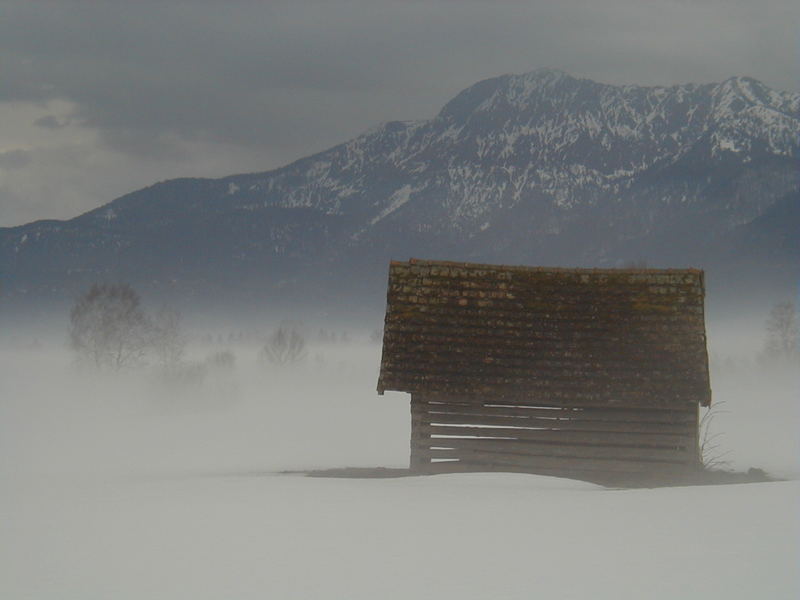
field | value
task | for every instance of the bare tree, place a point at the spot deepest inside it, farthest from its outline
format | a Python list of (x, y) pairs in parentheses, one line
[(109, 328), (223, 360), (783, 332), (284, 346)]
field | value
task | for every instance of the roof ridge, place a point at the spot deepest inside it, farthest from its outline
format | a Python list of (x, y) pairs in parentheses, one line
[(542, 269)]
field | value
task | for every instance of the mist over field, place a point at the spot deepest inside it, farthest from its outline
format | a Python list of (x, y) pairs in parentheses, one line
[(60, 418), (135, 484), (66, 419)]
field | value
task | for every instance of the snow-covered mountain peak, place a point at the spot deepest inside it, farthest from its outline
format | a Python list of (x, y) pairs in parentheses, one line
[(542, 135), (541, 78), (737, 94), (745, 115)]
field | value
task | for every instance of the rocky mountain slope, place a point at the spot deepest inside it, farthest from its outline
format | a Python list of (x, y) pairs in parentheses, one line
[(541, 168)]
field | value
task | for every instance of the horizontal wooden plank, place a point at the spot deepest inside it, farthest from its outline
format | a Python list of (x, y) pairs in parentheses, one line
[(562, 424), (573, 414), (600, 397), (577, 437), (452, 449), (526, 401)]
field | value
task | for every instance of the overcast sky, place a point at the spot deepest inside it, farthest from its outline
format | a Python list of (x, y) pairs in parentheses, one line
[(101, 98)]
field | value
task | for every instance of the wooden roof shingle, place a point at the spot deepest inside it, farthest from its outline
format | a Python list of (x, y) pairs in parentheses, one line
[(555, 336)]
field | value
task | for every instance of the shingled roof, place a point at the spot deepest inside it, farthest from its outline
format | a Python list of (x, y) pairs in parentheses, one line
[(600, 337)]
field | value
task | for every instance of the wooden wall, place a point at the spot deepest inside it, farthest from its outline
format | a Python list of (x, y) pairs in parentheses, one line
[(592, 443)]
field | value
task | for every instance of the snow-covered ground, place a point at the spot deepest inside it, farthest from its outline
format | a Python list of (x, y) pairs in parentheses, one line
[(123, 487)]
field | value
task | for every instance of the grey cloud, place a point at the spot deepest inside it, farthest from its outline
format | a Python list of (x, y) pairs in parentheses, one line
[(51, 122), (15, 159), (223, 71), (283, 79)]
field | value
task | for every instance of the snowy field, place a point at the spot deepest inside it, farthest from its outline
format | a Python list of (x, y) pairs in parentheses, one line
[(129, 487)]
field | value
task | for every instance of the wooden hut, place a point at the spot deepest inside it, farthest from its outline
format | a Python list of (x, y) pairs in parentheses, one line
[(589, 373)]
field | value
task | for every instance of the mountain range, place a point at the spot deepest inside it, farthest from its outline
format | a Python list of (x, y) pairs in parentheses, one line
[(539, 169)]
